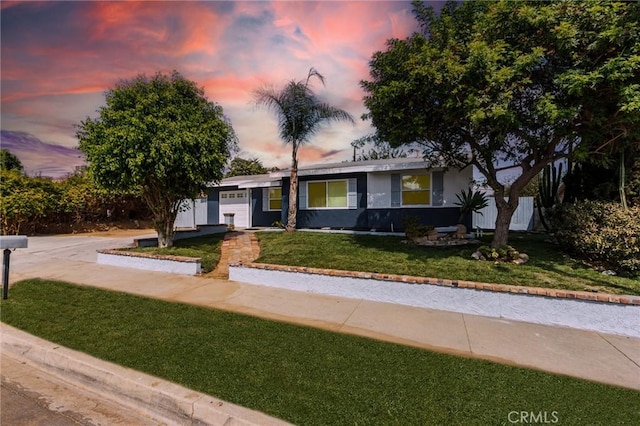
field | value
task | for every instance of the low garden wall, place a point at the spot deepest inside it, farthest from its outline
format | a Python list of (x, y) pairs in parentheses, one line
[(583, 310), (150, 262)]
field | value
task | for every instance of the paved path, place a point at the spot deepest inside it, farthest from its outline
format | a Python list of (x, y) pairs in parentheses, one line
[(237, 247), (595, 356)]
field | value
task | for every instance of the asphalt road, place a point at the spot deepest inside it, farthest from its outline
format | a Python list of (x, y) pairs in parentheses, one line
[(33, 397)]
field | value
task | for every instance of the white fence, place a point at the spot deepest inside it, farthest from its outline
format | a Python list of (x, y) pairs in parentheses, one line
[(522, 219), (194, 213)]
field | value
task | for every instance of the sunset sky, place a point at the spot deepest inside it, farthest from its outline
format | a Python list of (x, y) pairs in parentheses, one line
[(58, 58)]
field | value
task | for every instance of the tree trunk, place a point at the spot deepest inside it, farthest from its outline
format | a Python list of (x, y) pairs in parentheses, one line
[(293, 191), (163, 224), (503, 220)]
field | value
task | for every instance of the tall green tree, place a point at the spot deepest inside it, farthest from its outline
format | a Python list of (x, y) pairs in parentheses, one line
[(241, 167), (160, 137), (8, 161), (497, 83), (300, 114)]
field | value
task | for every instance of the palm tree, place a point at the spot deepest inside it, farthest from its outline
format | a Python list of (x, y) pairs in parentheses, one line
[(300, 114)]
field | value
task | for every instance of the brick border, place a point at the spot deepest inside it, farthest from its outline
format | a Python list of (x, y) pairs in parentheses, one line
[(409, 279)]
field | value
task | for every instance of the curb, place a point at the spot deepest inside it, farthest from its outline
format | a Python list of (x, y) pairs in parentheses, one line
[(154, 397)]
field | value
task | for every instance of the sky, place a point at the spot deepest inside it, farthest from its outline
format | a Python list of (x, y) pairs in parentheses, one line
[(59, 58)]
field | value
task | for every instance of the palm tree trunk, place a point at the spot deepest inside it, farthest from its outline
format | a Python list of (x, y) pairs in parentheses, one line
[(293, 190)]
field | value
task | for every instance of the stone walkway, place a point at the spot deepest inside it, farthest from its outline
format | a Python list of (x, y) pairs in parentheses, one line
[(237, 247)]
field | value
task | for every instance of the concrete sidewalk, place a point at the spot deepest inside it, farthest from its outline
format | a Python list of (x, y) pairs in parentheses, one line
[(594, 356)]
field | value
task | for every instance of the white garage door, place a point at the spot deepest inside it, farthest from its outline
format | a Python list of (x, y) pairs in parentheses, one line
[(236, 202)]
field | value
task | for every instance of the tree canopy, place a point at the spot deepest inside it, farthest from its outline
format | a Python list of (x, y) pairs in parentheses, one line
[(242, 167), (300, 113), (158, 136), (8, 161), (503, 83)]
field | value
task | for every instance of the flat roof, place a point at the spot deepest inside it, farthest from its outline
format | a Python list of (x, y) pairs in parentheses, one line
[(275, 178)]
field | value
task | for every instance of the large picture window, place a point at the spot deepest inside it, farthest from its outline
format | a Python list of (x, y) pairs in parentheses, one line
[(416, 190), (327, 194), (275, 198)]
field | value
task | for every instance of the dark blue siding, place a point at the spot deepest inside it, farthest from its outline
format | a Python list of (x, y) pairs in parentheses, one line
[(381, 219), (258, 216), (213, 206), (338, 218)]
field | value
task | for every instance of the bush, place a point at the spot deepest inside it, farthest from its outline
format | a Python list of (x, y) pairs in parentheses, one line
[(413, 229), (503, 253), (601, 232)]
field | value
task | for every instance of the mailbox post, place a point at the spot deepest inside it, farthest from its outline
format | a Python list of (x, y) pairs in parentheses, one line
[(8, 242)]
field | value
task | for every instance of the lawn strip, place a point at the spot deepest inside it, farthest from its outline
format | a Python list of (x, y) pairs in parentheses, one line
[(207, 248), (301, 374), (547, 266)]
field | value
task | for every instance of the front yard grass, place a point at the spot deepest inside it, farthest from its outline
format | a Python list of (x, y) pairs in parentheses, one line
[(547, 267), (207, 248), (303, 375)]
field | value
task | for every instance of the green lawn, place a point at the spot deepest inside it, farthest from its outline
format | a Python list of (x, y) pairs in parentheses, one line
[(207, 248), (304, 375), (547, 267)]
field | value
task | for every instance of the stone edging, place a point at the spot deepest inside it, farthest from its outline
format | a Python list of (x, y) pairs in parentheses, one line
[(503, 288), (150, 262)]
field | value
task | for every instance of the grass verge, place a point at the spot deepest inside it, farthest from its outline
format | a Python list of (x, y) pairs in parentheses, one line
[(304, 375), (367, 253), (207, 248)]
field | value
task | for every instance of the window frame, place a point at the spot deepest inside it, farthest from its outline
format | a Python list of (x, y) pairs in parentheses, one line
[(269, 199), (326, 194), (429, 190)]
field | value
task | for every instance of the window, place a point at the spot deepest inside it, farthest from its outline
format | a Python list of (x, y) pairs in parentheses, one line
[(275, 198), (327, 194), (416, 190)]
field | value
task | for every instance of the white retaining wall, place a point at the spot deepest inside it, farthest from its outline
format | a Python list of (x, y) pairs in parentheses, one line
[(183, 267), (604, 317)]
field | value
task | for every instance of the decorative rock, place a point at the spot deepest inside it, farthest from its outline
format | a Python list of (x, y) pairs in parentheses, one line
[(609, 273), (478, 256), (461, 232)]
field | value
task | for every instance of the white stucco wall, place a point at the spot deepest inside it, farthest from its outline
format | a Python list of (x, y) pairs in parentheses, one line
[(598, 316), (379, 187), (150, 264)]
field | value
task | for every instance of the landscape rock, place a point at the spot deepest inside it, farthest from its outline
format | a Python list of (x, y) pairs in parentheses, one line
[(478, 256)]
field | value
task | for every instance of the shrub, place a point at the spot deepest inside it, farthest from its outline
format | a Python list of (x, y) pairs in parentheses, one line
[(414, 229), (601, 232), (503, 253)]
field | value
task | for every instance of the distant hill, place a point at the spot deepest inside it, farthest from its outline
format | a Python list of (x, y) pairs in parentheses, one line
[(41, 158)]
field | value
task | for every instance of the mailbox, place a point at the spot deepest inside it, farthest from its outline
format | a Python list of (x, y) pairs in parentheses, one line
[(13, 241), (8, 242)]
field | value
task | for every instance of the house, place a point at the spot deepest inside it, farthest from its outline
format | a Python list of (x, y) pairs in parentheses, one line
[(376, 194)]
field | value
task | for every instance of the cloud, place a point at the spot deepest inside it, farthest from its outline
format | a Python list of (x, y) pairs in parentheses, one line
[(60, 57), (41, 158)]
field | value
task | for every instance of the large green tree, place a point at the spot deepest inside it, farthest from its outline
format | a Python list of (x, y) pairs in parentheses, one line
[(300, 114), (241, 167), (160, 137), (8, 161), (507, 83)]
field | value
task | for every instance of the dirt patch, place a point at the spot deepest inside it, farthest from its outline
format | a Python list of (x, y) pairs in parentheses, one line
[(106, 229)]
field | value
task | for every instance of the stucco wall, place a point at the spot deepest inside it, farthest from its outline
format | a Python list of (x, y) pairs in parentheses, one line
[(147, 263), (379, 187), (623, 319)]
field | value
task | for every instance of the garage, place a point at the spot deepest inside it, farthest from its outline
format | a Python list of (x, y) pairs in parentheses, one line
[(236, 203)]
